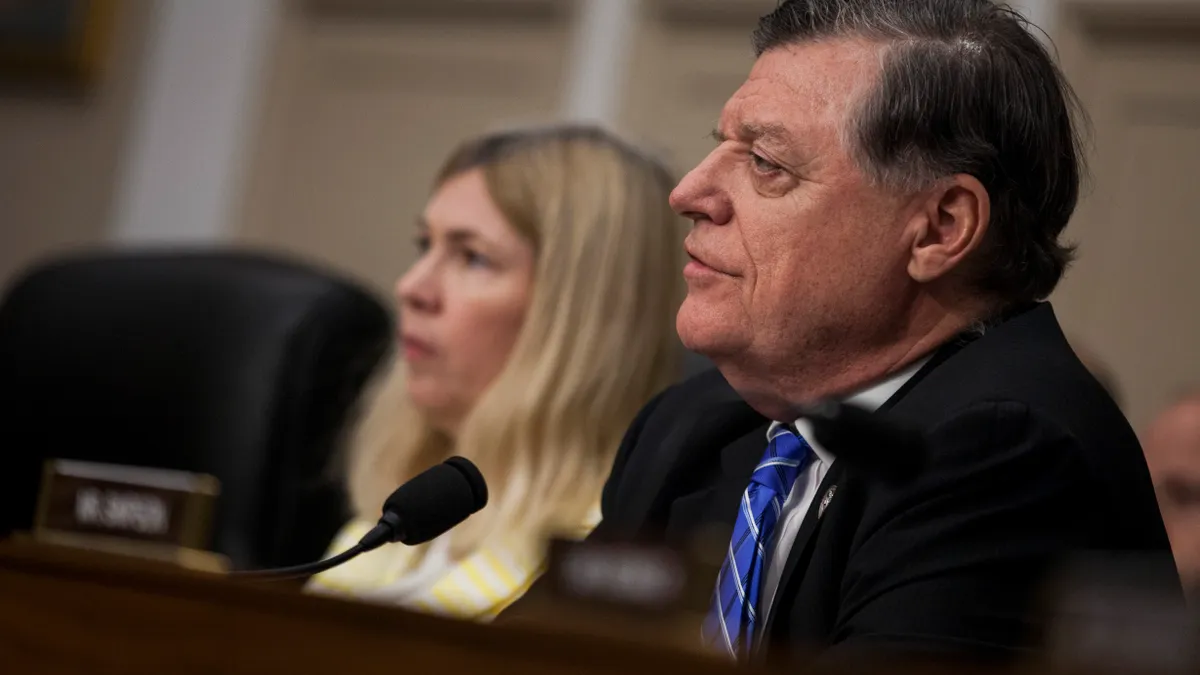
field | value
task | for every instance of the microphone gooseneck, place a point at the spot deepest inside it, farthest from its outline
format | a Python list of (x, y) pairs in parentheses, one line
[(425, 507)]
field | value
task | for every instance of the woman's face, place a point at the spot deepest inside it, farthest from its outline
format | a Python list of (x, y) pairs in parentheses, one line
[(463, 302)]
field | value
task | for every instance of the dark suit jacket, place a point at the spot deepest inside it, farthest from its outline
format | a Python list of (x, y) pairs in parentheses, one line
[(1029, 461)]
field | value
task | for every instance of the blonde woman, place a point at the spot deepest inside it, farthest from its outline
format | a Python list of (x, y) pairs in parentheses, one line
[(537, 321)]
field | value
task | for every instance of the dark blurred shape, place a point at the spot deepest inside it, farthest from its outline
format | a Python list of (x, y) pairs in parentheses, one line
[(1119, 612), (694, 364), (54, 42), (236, 365), (627, 575), (628, 589), (873, 442)]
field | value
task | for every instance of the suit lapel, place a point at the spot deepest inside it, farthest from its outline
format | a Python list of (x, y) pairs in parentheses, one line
[(801, 550), (738, 461), (706, 515), (678, 477)]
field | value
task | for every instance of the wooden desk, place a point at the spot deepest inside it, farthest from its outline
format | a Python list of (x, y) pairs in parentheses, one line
[(68, 611)]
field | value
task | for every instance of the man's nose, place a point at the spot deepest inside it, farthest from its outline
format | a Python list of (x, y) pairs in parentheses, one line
[(701, 195)]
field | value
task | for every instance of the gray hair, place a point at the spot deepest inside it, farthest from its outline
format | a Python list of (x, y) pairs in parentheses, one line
[(964, 89)]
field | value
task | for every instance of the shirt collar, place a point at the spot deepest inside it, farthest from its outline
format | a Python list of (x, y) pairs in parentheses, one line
[(870, 398)]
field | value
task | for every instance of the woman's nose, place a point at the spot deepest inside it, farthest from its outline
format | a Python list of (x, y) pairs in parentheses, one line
[(418, 288)]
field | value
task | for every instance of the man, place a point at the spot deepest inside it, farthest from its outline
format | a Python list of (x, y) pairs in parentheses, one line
[(1173, 452), (877, 222)]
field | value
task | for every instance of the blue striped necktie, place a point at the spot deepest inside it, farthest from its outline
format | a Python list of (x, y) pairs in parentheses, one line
[(731, 620)]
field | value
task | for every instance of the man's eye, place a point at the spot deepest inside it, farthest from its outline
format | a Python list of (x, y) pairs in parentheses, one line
[(762, 165), (422, 243)]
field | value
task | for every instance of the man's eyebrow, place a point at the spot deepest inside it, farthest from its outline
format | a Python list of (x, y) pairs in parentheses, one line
[(749, 131), (770, 131)]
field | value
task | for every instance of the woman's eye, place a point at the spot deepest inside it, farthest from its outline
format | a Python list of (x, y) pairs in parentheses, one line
[(474, 259), (763, 165)]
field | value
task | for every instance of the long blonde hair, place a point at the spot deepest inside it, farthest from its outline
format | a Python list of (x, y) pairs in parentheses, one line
[(598, 340)]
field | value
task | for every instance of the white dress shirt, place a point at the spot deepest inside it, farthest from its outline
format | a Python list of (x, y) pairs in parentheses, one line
[(804, 490)]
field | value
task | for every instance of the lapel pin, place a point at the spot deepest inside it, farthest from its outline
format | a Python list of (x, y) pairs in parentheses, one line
[(825, 500)]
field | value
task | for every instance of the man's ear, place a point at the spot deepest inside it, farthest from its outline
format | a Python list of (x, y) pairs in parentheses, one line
[(950, 225)]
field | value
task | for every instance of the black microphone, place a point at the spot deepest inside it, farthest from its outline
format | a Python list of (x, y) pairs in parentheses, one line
[(425, 507), (875, 443)]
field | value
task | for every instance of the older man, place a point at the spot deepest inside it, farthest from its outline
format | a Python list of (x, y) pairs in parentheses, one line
[(879, 222)]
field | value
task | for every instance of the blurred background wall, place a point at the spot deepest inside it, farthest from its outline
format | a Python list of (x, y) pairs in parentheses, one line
[(60, 155), (313, 127)]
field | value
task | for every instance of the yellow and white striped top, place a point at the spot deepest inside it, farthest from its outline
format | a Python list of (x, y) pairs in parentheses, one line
[(476, 588)]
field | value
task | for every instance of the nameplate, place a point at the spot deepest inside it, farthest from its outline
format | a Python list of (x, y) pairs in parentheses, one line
[(150, 506), (630, 576)]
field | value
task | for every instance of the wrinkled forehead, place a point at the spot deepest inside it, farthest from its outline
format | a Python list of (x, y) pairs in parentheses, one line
[(808, 88)]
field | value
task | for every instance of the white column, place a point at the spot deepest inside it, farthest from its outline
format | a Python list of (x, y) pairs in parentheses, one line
[(603, 41), (184, 161)]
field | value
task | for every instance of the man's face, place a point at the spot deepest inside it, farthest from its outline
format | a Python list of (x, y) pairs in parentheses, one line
[(796, 257)]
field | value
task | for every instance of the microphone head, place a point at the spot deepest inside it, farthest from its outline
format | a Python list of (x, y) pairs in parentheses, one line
[(471, 473), (873, 442), (436, 500)]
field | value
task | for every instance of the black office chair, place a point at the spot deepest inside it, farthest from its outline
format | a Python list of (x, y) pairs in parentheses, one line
[(238, 365)]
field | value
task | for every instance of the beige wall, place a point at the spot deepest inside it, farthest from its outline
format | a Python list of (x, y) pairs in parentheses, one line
[(1131, 297), (362, 106), (60, 158), (691, 56), (363, 103)]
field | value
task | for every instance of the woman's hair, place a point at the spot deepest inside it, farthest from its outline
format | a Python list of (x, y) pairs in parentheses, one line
[(598, 340)]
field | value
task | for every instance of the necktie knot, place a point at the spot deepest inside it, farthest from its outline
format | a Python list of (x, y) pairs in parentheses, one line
[(785, 458)]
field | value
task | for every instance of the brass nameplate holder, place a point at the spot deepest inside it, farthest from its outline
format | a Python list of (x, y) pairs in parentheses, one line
[(150, 513)]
